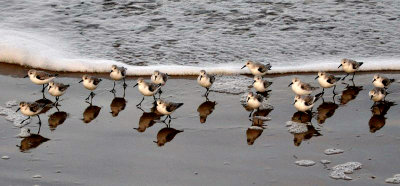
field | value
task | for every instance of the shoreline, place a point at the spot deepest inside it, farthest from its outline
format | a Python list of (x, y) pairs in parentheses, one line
[(20, 71)]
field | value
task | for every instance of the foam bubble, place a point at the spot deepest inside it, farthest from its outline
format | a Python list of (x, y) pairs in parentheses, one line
[(15, 117), (305, 163), (25, 132), (394, 180), (296, 128), (11, 103), (340, 171), (333, 151)]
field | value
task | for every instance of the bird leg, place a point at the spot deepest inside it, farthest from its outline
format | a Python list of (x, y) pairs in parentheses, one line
[(353, 76), (140, 104), (125, 85), (25, 119), (251, 113), (345, 76), (113, 89)]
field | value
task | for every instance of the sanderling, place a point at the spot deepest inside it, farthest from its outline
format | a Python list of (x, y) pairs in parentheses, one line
[(57, 89), (350, 66), (305, 103), (206, 81), (326, 80), (261, 85), (166, 135), (146, 89), (31, 109), (90, 83), (301, 88), (166, 108), (382, 81), (253, 101), (257, 68), (117, 73), (159, 78), (206, 109), (91, 113), (377, 94), (40, 77)]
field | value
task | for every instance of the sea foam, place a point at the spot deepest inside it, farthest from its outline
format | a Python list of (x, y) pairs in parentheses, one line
[(36, 51)]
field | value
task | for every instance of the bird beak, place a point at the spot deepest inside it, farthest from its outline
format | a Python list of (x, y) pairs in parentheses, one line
[(373, 80), (26, 76), (339, 66), (80, 81), (243, 67), (135, 85), (111, 71), (290, 84), (155, 141), (18, 109), (372, 96), (254, 81), (317, 77)]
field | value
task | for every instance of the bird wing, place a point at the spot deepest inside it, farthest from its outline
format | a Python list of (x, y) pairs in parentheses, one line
[(153, 87), (96, 81), (173, 106), (267, 84), (165, 77), (123, 71), (62, 87), (212, 79), (306, 86), (35, 107), (308, 100), (43, 75), (332, 79)]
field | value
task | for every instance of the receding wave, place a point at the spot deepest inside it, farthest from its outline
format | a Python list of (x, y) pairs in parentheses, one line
[(44, 53)]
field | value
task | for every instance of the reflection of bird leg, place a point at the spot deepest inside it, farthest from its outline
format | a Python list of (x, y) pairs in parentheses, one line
[(124, 92), (124, 85), (140, 104), (334, 93), (333, 98), (40, 124), (323, 101)]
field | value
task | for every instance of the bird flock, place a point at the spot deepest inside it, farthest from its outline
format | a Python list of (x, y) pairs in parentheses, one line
[(303, 100)]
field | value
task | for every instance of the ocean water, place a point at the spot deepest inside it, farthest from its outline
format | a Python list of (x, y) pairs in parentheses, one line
[(182, 37)]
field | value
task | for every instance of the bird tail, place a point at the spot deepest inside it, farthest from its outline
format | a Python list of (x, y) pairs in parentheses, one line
[(179, 105), (360, 63), (337, 78), (268, 65), (392, 80)]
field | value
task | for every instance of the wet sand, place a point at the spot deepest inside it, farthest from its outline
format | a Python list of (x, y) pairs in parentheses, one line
[(108, 150)]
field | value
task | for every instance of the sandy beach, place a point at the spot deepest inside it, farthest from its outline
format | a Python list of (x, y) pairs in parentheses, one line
[(106, 145)]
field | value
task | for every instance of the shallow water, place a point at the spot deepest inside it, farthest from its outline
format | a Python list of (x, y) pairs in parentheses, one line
[(58, 35), (108, 150)]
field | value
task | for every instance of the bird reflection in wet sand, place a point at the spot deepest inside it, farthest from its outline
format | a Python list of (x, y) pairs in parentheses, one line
[(378, 119), (90, 113), (253, 133), (301, 117), (118, 104), (205, 109), (32, 141), (148, 119), (299, 137), (57, 118), (349, 93), (166, 135), (260, 116), (326, 110)]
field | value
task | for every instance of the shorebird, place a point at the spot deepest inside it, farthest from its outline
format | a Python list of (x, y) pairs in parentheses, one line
[(90, 83), (377, 94), (326, 80), (305, 103), (117, 73), (57, 89), (261, 85), (167, 108), (254, 101), (301, 88), (205, 80), (350, 66), (40, 77), (31, 109), (146, 89), (257, 68), (382, 81), (159, 78)]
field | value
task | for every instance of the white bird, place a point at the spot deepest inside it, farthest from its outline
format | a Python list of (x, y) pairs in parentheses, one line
[(382, 81), (117, 73), (146, 89), (326, 80), (167, 108), (305, 103), (350, 66), (257, 68), (301, 88), (40, 77), (90, 83), (31, 109), (377, 94), (261, 85), (205, 80), (159, 78), (57, 89), (253, 101)]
